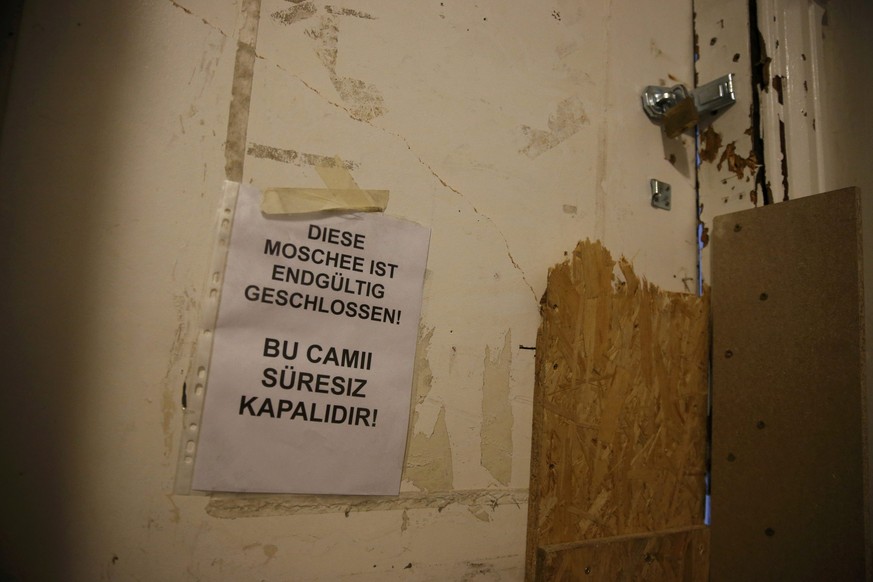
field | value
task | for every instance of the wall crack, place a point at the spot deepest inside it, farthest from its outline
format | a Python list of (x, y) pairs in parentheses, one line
[(420, 160), (470, 204), (214, 27)]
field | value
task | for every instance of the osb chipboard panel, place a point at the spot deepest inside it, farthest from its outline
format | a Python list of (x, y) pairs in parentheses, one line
[(787, 460), (663, 557), (619, 429)]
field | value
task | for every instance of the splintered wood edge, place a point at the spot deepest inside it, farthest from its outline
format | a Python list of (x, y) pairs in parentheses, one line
[(591, 266)]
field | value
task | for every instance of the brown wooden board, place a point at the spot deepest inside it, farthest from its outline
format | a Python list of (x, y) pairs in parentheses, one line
[(788, 402), (663, 557), (619, 430)]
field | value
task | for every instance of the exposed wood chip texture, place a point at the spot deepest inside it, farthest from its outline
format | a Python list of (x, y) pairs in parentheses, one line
[(677, 555), (619, 429), (788, 393)]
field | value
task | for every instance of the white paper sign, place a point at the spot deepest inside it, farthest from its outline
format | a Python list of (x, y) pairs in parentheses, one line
[(311, 372)]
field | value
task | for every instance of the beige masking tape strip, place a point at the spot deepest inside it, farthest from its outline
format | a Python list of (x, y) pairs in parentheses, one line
[(342, 193), (300, 200)]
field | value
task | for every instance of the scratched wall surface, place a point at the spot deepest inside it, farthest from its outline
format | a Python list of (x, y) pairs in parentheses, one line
[(511, 129)]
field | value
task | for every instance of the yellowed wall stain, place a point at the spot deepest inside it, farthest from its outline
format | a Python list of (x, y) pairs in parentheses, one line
[(428, 457), (429, 461), (497, 421), (568, 118)]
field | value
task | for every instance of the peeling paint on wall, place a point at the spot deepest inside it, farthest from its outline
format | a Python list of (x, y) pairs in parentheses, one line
[(428, 457), (260, 505), (710, 143), (497, 420), (348, 12), (298, 11), (241, 91), (566, 121), (422, 376), (363, 100), (429, 460), (296, 158), (736, 163), (777, 85)]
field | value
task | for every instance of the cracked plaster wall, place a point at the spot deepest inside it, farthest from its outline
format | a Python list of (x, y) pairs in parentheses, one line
[(511, 129)]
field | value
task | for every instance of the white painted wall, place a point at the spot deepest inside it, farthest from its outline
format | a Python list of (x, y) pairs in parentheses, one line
[(819, 77), (512, 129)]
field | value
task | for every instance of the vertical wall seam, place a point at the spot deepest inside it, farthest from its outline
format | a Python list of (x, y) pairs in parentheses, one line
[(241, 91)]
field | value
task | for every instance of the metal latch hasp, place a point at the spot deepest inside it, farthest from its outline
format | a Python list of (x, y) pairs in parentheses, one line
[(678, 108)]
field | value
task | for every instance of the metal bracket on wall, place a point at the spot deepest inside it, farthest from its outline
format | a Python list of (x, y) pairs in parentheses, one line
[(677, 108), (661, 194)]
